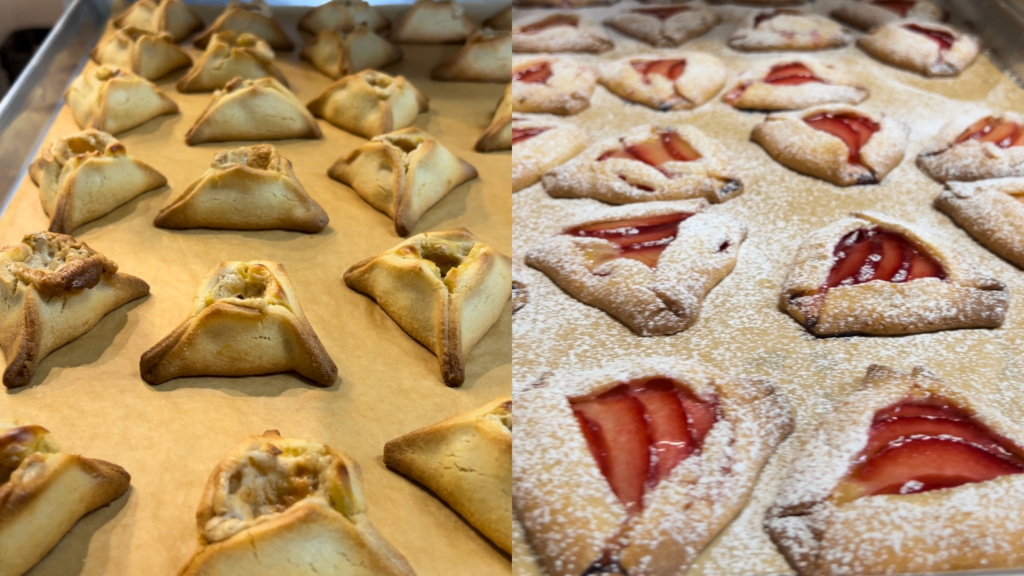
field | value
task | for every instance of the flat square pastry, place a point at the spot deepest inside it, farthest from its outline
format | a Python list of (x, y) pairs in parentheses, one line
[(54, 289), (647, 164), (551, 85), (664, 26), (171, 16), (560, 32), (433, 22), (336, 54), (402, 174), (838, 143), (84, 176), (792, 84), (44, 492), (445, 289), (498, 135), (151, 55), (649, 265), (259, 109), (872, 274), (540, 144), (500, 21), (246, 320), (922, 46), (252, 188), (343, 16), (114, 100), (277, 506), (486, 57), (252, 16), (635, 466), (788, 29), (902, 478), (969, 149), (673, 81), (867, 14), (991, 211), (370, 103), (466, 461), (229, 56)]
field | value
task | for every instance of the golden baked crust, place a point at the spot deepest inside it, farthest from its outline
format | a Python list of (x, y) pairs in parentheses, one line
[(433, 22), (370, 103), (336, 54), (584, 35), (253, 16), (113, 100), (664, 32), (228, 56), (486, 57), (896, 44), (171, 16), (343, 16), (866, 14), (151, 55), (500, 21), (703, 77), (466, 461), (991, 211), (945, 159), (555, 143), (498, 135), (567, 91), (788, 29), (241, 111), (751, 92)]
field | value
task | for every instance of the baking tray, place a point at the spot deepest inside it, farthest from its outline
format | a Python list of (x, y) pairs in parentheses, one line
[(91, 397)]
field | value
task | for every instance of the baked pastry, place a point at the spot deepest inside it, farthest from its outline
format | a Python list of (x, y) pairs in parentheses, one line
[(336, 54), (467, 461), (648, 265), (151, 55), (171, 16), (370, 103), (402, 174), (664, 26), (277, 506), (259, 109), (246, 320), (500, 21), (647, 164), (921, 46), (677, 81), (54, 289), (867, 14), (758, 3), (251, 188), (228, 56), (635, 466), (113, 100), (969, 149), (872, 274), (84, 176), (252, 16), (561, 3), (551, 85), (486, 57), (433, 22), (899, 479), (793, 84), (43, 493), (838, 143), (520, 291), (445, 289), (560, 32), (992, 211), (343, 16), (788, 29), (498, 135), (540, 144)]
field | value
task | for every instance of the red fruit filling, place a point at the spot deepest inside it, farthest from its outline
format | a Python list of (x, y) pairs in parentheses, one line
[(640, 239), (551, 22), (662, 12), (900, 7), (538, 74), (671, 69), (1002, 133), (667, 147), (866, 255), (941, 37), (521, 134), (792, 74), (639, 431), (919, 445), (765, 16), (854, 130)]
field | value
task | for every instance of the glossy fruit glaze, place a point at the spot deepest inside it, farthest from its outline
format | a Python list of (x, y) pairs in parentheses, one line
[(523, 134), (866, 255), (1001, 132), (640, 239), (671, 69), (537, 74), (791, 74), (853, 130), (941, 37), (668, 146)]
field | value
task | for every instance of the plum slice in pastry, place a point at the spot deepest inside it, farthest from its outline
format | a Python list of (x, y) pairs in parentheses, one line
[(252, 16), (467, 461), (976, 149), (867, 14), (540, 144), (560, 32), (551, 85), (251, 188), (246, 320), (486, 57), (433, 22), (278, 506), (44, 492), (841, 144), (500, 21), (792, 84), (872, 274), (921, 46), (402, 174), (336, 54), (649, 265), (84, 176), (788, 29), (498, 135), (54, 289), (445, 289), (634, 467), (229, 56), (899, 478), (992, 211), (370, 103), (151, 55), (343, 16), (674, 81), (646, 164), (664, 26), (171, 16), (260, 109), (113, 100)]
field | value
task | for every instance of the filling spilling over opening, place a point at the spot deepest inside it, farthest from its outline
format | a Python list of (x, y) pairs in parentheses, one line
[(667, 146), (791, 74), (853, 130), (522, 134), (17, 443), (536, 74), (941, 37), (641, 239), (552, 21), (924, 444), (999, 131), (766, 16), (639, 431), (901, 7), (53, 251), (444, 258), (866, 255), (671, 69), (662, 12)]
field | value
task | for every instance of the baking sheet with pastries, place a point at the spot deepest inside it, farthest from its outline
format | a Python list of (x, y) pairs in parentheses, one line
[(90, 396), (741, 330)]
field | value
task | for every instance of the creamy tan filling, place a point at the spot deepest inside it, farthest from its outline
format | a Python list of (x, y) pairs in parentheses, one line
[(259, 157), (249, 284), (18, 443), (443, 258)]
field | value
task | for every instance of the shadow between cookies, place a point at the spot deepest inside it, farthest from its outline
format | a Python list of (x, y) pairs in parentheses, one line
[(266, 386)]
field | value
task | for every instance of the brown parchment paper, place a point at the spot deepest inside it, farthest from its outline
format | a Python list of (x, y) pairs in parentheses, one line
[(90, 396), (741, 331)]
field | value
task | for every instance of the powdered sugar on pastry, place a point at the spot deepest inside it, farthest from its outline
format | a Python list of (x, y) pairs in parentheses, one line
[(788, 29)]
